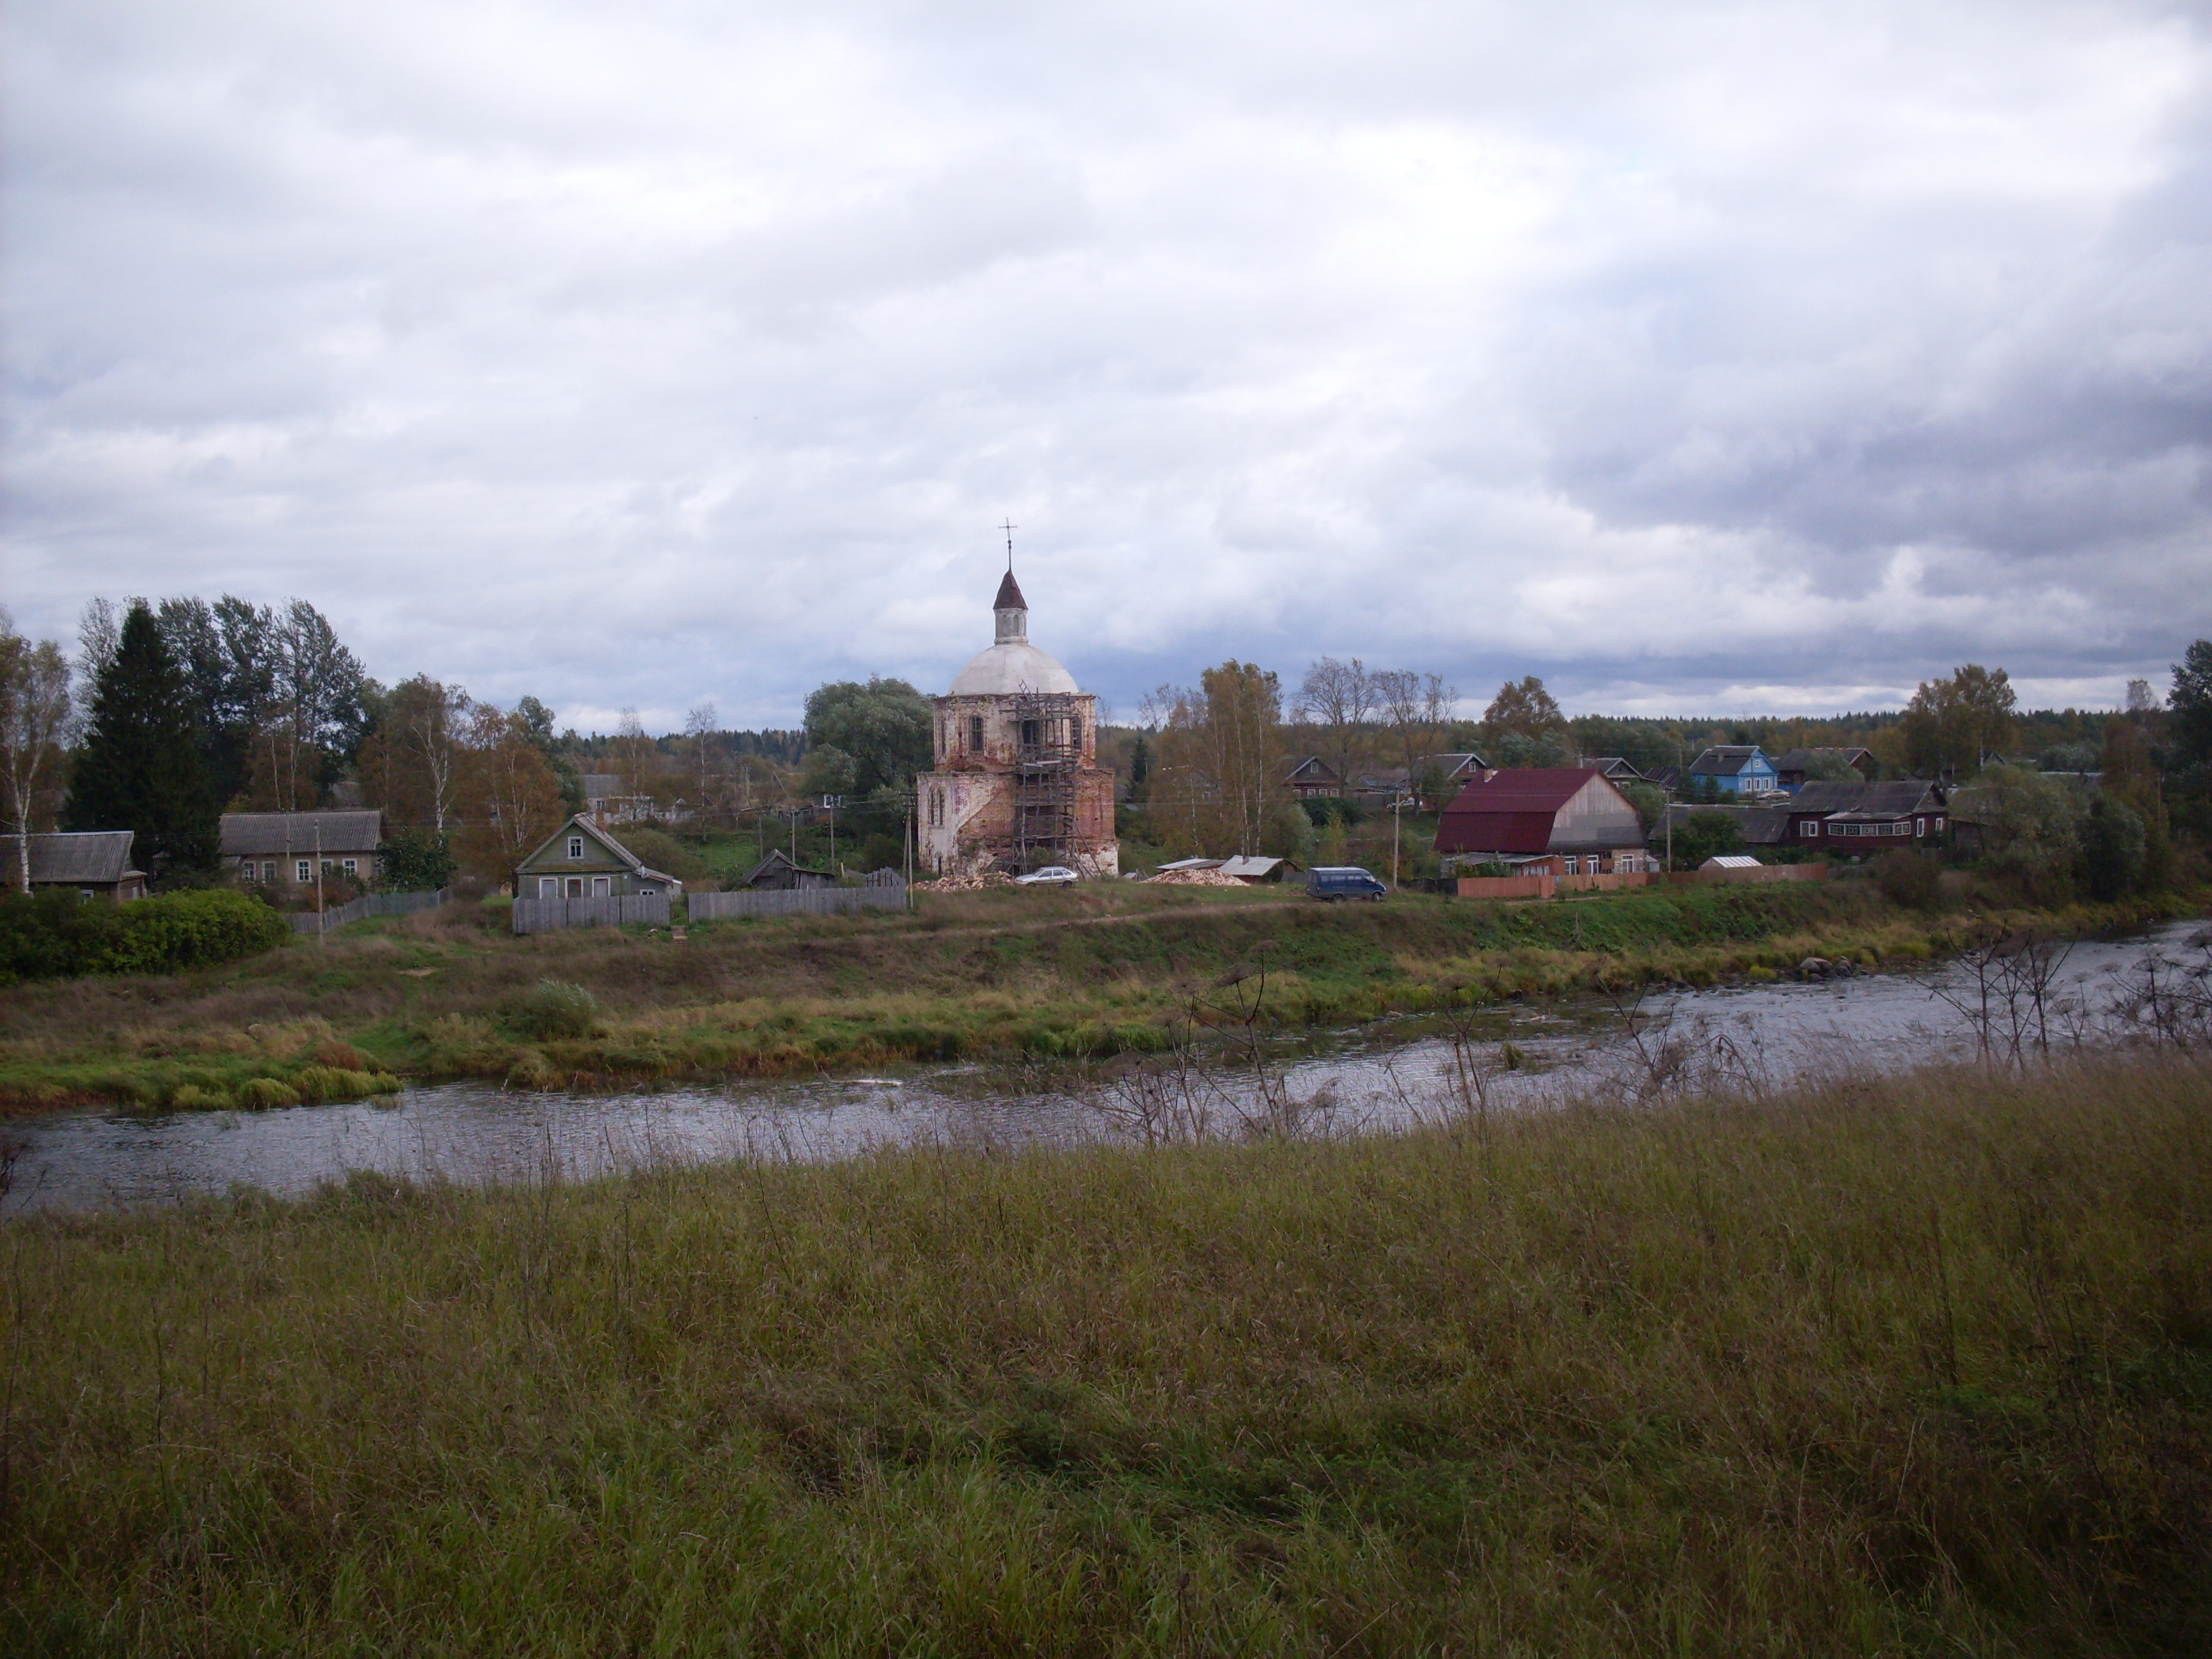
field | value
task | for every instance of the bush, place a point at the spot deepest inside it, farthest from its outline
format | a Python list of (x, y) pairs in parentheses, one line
[(552, 1009), (54, 934), (260, 1094), (1907, 878)]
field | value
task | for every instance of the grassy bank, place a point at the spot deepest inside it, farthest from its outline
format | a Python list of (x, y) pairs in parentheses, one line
[(1101, 969), (1917, 1367)]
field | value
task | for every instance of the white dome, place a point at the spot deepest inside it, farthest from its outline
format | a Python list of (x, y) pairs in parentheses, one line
[(1013, 665)]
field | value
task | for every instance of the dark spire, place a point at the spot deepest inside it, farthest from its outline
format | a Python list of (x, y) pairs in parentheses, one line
[(1010, 596)]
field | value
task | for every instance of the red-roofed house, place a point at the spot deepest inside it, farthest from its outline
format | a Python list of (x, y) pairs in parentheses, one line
[(1573, 818)]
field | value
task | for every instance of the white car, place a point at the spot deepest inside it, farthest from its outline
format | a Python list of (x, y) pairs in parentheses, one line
[(1052, 875)]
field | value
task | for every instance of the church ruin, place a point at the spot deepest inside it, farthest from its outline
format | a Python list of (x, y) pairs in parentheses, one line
[(1016, 784)]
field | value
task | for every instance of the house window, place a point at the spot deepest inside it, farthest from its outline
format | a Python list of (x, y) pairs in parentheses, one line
[(1810, 828), (306, 871), (269, 870), (975, 732), (575, 887), (549, 887), (330, 866), (352, 866), (1939, 824), (575, 846), (602, 886), (1920, 826)]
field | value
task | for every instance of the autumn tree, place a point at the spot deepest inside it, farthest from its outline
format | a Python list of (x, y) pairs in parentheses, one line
[(1958, 723), (409, 765), (508, 800), (1219, 767), (34, 712), (1525, 707)]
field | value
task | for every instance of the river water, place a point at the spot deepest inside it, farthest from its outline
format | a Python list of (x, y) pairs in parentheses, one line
[(1373, 1077)]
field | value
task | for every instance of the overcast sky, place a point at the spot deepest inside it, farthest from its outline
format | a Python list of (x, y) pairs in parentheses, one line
[(1714, 359)]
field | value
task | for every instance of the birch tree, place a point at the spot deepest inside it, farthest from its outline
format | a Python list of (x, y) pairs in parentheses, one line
[(35, 713)]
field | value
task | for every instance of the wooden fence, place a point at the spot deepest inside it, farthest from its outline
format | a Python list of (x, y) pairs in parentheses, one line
[(795, 901), (368, 904), (546, 915)]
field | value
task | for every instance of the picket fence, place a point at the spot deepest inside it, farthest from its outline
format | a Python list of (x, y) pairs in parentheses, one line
[(795, 901), (546, 915), (368, 904)]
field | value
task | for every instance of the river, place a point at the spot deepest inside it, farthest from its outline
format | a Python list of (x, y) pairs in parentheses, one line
[(1378, 1076)]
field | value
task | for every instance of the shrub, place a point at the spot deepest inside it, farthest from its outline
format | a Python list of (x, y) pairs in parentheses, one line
[(553, 1009), (1907, 878), (54, 934)]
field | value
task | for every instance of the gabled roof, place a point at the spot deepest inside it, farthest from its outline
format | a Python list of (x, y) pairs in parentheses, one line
[(1522, 789), (1313, 765), (583, 825), (1517, 809), (1900, 798), (1458, 765), (1725, 760), (776, 861), (1798, 759), (101, 857), (1759, 826), (287, 834), (1615, 766), (1826, 795)]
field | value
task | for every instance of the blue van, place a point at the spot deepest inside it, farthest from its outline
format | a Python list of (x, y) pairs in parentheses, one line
[(1343, 881)]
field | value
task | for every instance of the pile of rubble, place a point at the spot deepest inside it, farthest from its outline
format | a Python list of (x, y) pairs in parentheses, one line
[(1192, 878), (974, 883)]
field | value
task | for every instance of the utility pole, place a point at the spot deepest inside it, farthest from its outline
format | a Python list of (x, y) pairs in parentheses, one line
[(1397, 820), (322, 920)]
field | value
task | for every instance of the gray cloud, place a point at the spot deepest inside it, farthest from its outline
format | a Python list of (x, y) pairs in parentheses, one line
[(1696, 359)]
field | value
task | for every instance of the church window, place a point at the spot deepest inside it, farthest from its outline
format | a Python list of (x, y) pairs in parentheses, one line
[(975, 732)]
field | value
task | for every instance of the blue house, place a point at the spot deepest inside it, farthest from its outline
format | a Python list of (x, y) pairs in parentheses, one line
[(1735, 768)]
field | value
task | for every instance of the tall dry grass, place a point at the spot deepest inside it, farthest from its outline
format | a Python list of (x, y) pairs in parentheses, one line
[(1917, 1366)]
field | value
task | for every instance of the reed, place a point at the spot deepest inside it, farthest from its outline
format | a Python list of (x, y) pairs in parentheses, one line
[(1912, 1366)]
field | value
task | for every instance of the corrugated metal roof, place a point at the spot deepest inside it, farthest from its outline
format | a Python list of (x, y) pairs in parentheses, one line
[(1730, 861), (278, 835), (97, 857), (1496, 832), (1522, 789), (1248, 867)]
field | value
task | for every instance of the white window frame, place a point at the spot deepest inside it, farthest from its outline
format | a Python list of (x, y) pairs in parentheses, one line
[(603, 886), (575, 846), (351, 867), (306, 872), (549, 887)]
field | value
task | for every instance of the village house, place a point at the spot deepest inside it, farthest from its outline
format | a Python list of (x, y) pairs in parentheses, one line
[(1845, 818), (1614, 767), (1757, 826), (1735, 768), (778, 873), (1015, 783), (95, 863), (1313, 778), (1790, 770), (582, 860), (288, 854), (1573, 818)]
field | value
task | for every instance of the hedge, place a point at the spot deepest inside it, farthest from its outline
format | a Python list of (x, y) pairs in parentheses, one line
[(55, 934)]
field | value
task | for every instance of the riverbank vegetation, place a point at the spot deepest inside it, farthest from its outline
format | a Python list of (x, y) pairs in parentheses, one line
[(1100, 969), (1916, 1366)]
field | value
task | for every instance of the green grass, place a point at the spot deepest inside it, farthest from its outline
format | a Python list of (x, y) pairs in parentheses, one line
[(1104, 968), (1921, 1367)]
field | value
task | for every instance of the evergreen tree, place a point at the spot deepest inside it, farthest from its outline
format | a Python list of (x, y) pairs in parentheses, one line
[(140, 767)]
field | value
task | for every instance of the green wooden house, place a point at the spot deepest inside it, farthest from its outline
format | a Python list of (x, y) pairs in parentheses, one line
[(582, 860)]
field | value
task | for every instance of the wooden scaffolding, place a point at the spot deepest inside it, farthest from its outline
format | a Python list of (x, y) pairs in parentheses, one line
[(1048, 769)]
